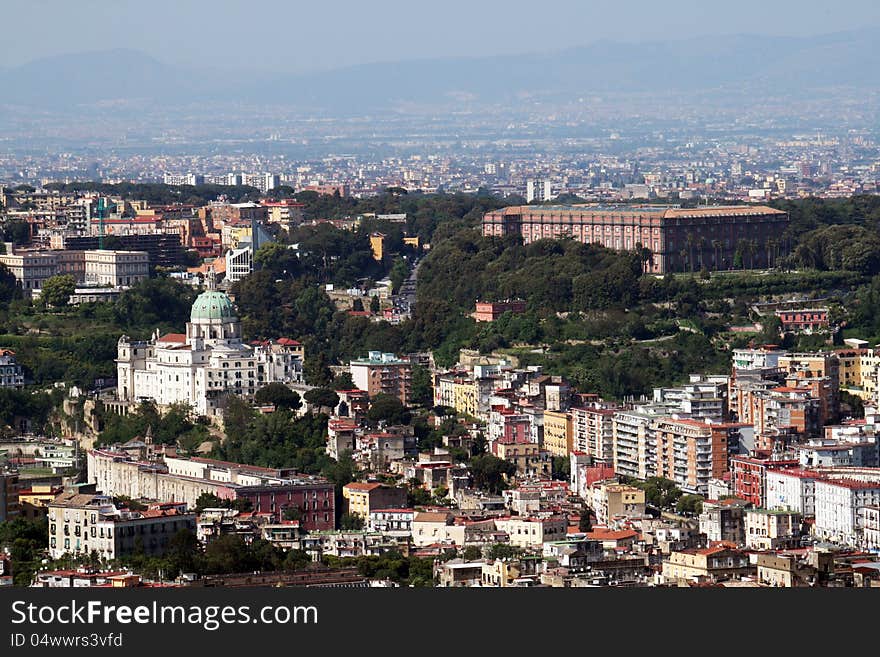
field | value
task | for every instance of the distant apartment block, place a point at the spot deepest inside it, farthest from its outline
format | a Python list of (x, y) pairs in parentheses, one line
[(177, 179), (383, 373), (329, 189), (92, 268), (680, 239), (538, 190)]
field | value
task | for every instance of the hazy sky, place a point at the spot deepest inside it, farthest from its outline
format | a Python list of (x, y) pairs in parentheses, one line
[(289, 35)]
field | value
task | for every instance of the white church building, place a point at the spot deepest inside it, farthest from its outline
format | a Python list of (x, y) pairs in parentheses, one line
[(207, 363)]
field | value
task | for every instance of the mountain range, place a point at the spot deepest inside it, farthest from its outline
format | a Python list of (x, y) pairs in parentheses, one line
[(726, 64)]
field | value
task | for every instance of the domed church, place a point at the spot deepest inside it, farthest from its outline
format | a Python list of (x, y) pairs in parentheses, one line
[(207, 363)]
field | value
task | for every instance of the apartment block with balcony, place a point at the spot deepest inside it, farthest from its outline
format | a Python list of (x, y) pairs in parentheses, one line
[(383, 373)]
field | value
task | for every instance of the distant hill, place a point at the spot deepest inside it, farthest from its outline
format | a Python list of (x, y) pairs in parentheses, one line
[(723, 64)]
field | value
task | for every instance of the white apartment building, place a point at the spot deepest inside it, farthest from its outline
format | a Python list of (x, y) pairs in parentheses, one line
[(869, 521), (532, 532), (115, 268), (837, 507), (593, 432), (632, 436), (792, 490)]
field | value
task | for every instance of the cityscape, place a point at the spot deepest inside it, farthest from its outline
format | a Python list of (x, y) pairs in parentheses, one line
[(525, 318)]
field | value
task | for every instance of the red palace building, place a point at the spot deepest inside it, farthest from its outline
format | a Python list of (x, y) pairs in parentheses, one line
[(679, 239)]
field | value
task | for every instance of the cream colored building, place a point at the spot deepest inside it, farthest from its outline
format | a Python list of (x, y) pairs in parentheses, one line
[(770, 529), (115, 268), (91, 268), (612, 500), (707, 564), (532, 532), (364, 498), (80, 524), (431, 527)]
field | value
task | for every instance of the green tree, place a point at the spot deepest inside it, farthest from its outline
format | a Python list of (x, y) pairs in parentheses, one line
[(389, 409), (375, 305), (211, 501), (10, 288), (56, 290), (323, 398), (351, 521), (279, 395), (317, 371), (585, 523), (489, 472), (184, 552), (472, 553), (689, 504), (342, 381), (422, 388), (561, 468), (503, 551)]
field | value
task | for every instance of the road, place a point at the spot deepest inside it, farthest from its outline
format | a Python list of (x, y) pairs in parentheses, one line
[(406, 296)]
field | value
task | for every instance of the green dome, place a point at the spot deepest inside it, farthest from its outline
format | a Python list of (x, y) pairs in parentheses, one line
[(212, 305)]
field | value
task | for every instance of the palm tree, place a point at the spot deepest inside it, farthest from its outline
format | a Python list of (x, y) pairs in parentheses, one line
[(740, 253), (753, 249), (690, 245)]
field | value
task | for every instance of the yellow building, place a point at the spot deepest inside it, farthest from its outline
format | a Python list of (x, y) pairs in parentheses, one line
[(412, 241), (377, 244), (558, 433), (34, 501), (466, 397), (362, 498)]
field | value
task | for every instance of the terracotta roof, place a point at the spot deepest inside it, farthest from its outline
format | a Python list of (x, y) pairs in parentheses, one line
[(173, 337), (600, 534), (357, 485)]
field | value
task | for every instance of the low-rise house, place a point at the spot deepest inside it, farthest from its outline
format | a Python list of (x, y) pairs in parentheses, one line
[(391, 520), (435, 527), (285, 535), (457, 572), (724, 520), (772, 529), (362, 497), (614, 539), (711, 564), (529, 532), (351, 543), (614, 500)]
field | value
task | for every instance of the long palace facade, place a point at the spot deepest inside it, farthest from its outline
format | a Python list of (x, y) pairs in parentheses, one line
[(679, 239)]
